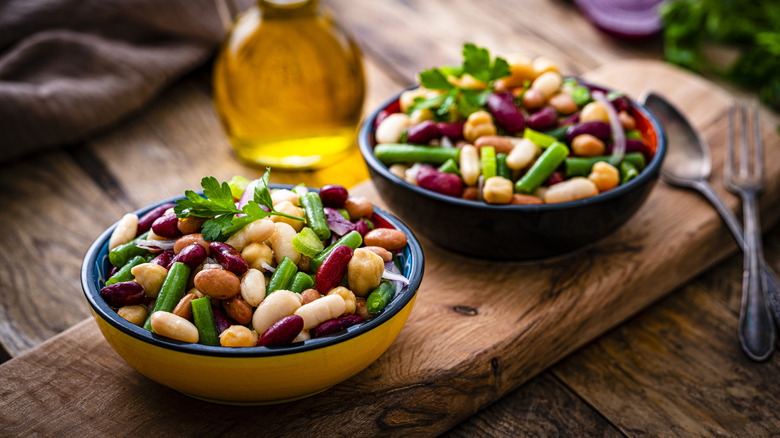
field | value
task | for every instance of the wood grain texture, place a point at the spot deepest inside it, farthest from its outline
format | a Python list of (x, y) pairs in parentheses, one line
[(450, 360)]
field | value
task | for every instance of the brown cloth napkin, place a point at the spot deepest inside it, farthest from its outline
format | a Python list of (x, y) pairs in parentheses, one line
[(71, 67)]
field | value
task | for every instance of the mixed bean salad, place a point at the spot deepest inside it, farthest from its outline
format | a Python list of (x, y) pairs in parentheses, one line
[(245, 266), (511, 131)]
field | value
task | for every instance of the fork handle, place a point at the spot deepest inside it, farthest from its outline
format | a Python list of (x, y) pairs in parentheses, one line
[(756, 329)]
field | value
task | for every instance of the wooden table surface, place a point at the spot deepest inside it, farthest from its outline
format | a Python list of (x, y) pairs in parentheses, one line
[(674, 369)]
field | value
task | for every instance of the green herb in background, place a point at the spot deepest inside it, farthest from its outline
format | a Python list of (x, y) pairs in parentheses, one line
[(477, 63), (217, 204), (750, 27)]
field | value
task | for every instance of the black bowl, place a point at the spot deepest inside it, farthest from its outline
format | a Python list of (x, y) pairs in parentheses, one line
[(513, 232)]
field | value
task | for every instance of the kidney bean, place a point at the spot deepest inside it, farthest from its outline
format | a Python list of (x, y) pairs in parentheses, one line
[(390, 109), (422, 133), (387, 238), (113, 270), (440, 182), (167, 226), (218, 283), (505, 112), (164, 259), (282, 332), (332, 270), (228, 257), (555, 178), (193, 256), (599, 130), (190, 224), (452, 130), (544, 119), (221, 320), (238, 309), (333, 195), (633, 145), (123, 294), (145, 222), (621, 104), (336, 325), (187, 240)]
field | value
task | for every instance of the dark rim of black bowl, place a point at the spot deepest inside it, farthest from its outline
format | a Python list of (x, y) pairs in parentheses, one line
[(402, 298), (650, 171)]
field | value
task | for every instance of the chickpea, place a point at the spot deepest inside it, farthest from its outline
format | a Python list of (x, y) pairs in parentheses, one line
[(256, 254), (605, 176), (364, 272), (548, 83), (391, 128), (563, 103), (238, 336), (478, 124), (522, 70), (587, 145), (349, 298), (135, 314), (594, 112), (533, 99), (287, 207), (497, 190), (627, 120)]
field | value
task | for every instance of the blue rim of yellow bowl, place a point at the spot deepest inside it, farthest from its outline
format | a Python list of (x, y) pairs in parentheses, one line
[(413, 260), (650, 171)]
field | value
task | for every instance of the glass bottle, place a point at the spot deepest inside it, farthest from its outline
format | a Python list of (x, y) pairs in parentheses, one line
[(289, 86)]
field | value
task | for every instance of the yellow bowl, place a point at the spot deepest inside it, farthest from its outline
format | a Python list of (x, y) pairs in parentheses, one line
[(252, 375)]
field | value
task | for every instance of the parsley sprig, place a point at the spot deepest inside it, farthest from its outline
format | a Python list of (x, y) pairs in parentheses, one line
[(218, 205), (477, 63)]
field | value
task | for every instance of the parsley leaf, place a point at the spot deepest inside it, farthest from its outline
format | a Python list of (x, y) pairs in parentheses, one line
[(217, 204), (434, 79), (476, 62)]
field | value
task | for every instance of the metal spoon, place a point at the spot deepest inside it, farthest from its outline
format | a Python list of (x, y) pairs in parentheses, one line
[(688, 164)]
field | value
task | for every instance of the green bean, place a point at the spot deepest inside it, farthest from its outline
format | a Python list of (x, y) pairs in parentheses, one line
[(282, 276), (488, 160), (353, 239), (380, 297), (581, 166), (203, 317), (627, 171), (501, 167), (543, 167), (633, 134), (391, 153), (301, 282), (315, 215), (122, 253), (580, 95), (450, 166), (171, 291), (124, 273)]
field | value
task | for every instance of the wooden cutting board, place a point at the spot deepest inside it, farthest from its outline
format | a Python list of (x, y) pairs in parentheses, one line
[(478, 330)]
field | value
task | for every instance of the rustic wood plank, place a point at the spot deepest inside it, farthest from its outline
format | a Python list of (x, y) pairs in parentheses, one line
[(427, 384), (541, 407), (677, 372), (52, 210)]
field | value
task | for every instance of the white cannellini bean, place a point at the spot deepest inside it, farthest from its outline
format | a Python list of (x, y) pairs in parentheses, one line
[(523, 154), (289, 208), (469, 164), (281, 195), (256, 231), (281, 242), (391, 128), (575, 188), (321, 310), (275, 307), (124, 232), (548, 83), (173, 326), (253, 287)]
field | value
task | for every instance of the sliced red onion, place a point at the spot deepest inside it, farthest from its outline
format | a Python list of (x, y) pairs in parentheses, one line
[(618, 135), (267, 267), (248, 195), (154, 245), (393, 273), (337, 223), (211, 263)]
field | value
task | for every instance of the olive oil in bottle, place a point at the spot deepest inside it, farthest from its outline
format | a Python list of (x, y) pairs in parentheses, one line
[(289, 86)]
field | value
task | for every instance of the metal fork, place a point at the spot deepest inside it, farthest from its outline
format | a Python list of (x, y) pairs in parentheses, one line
[(756, 328)]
